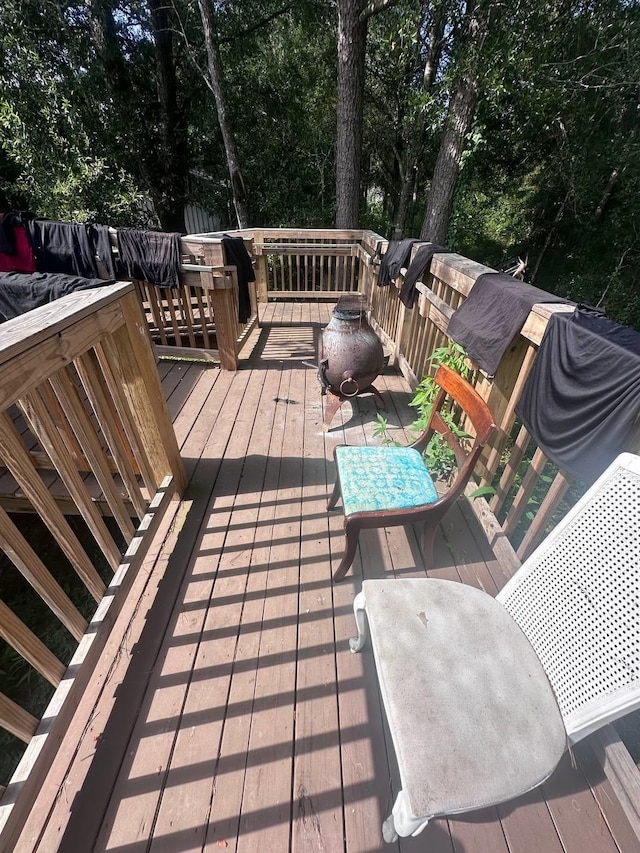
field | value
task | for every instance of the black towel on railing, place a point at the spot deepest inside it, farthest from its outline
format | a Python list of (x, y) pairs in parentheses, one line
[(495, 310), (20, 292), (62, 247), (236, 255), (420, 262), (581, 400), (8, 223), (100, 243), (397, 254), (151, 256)]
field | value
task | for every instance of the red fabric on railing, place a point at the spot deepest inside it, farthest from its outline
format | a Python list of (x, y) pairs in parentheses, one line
[(16, 254)]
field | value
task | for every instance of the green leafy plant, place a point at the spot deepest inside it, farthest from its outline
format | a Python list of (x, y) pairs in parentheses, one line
[(439, 457)]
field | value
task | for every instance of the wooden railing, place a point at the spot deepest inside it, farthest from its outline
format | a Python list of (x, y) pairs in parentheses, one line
[(313, 264), (321, 264), (529, 491), (297, 263), (201, 318), (83, 417)]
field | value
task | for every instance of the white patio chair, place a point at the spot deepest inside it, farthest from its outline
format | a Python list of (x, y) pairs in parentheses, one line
[(483, 695)]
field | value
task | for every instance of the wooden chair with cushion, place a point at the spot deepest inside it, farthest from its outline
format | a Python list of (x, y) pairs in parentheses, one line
[(389, 486)]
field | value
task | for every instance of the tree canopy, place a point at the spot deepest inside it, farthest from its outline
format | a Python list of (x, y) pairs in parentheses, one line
[(500, 129)]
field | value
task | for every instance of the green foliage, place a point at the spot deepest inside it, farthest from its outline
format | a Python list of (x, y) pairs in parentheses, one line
[(438, 456), (558, 172), (82, 134), (50, 129)]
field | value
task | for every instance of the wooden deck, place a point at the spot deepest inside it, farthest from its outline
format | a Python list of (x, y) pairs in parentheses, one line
[(228, 712)]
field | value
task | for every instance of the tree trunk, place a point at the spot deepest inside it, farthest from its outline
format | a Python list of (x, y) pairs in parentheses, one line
[(457, 126), (216, 78), (406, 167), (436, 35), (550, 233), (172, 158), (105, 41), (408, 160), (352, 41)]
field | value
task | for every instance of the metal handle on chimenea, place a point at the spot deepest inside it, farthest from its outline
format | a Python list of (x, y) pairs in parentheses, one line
[(353, 382)]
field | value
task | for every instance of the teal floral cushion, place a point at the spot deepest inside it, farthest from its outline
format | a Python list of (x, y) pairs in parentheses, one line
[(377, 478)]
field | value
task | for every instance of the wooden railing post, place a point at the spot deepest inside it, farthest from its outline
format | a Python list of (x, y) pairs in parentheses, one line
[(138, 375), (498, 393), (262, 279), (261, 269), (225, 313)]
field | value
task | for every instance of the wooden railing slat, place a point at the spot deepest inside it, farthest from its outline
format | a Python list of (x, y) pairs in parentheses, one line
[(35, 406), (167, 297), (139, 383), (17, 460), (67, 393), (14, 632), (537, 529), (107, 355), (16, 720), (529, 481), (511, 469), (106, 413), (31, 567)]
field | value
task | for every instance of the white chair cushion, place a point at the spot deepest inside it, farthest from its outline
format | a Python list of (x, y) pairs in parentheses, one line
[(473, 717)]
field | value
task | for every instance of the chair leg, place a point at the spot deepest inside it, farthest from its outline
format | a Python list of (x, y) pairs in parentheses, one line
[(402, 822), (350, 546), (335, 495), (356, 644), (428, 540)]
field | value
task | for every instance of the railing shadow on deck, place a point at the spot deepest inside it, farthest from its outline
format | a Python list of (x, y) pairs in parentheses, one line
[(157, 640)]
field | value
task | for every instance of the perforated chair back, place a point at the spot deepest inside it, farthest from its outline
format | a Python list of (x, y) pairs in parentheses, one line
[(577, 598)]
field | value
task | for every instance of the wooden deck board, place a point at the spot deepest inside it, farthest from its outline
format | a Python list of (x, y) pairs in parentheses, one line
[(233, 715)]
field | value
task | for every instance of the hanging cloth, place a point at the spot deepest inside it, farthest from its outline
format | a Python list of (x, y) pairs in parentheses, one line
[(100, 243), (495, 310), (581, 400), (16, 254), (236, 255), (62, 247), (151, 256), (397, 255), (421, 261), (20, 293)]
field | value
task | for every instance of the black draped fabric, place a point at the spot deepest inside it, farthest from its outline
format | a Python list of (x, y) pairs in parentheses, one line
[(397, 254), (20, 292), (495, 310), (151, 256), (62, 247), (8, 222), (420, 262), (581, 401), (236, 255), (100, 243)]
